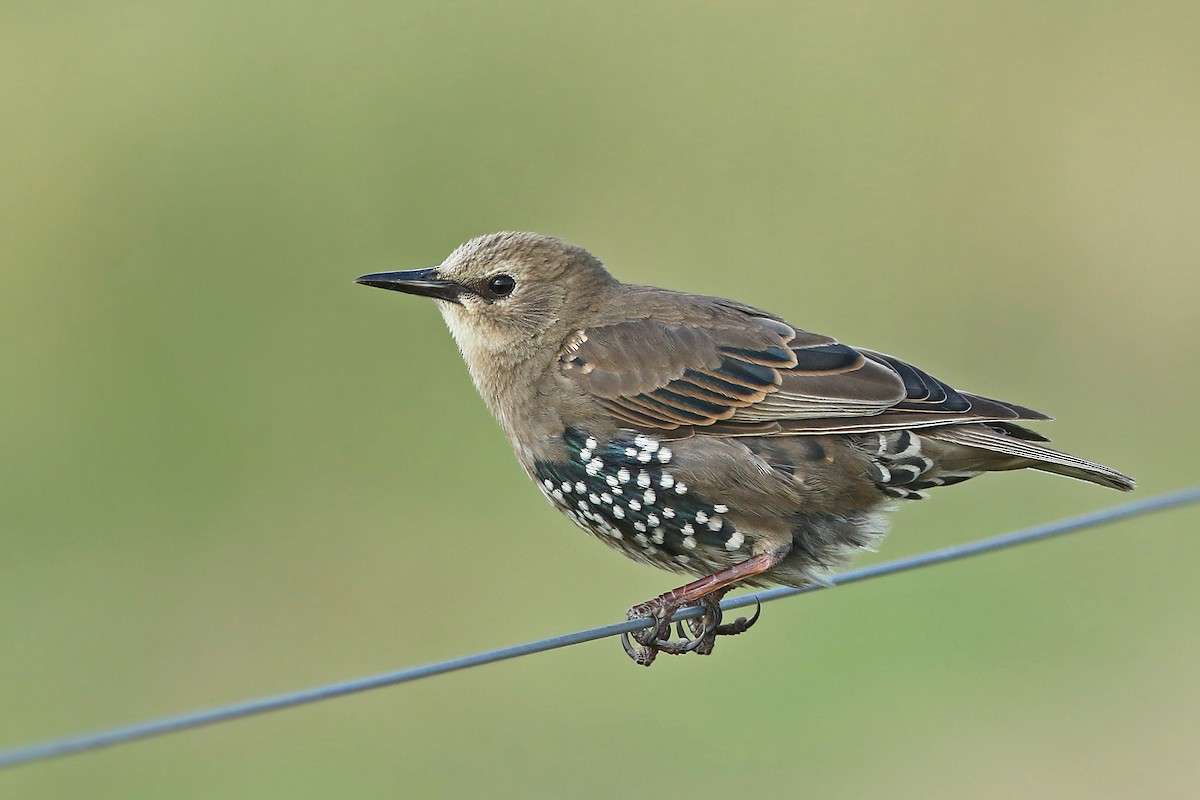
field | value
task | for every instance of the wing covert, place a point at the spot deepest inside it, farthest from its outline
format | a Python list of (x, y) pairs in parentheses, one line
[(653, 373)]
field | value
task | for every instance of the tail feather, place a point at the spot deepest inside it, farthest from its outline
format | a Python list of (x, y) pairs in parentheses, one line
[(1039, 457)]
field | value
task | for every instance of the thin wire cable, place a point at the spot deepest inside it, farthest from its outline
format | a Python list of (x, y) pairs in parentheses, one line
[(144, 730)]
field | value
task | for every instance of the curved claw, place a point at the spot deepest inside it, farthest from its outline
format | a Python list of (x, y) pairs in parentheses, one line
[(741, 624), (698, 638), (644, 652), (655, 639), (696, 626), (647, 636), (685, 646), (642, 656), (708, 623)]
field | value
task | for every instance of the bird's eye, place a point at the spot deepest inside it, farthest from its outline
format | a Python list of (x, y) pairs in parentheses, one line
[(502, 285)]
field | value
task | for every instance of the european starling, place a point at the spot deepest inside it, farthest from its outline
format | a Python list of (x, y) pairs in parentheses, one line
[(704, 436)]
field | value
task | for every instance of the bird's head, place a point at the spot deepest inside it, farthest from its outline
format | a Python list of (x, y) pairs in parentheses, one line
[(507, 297)]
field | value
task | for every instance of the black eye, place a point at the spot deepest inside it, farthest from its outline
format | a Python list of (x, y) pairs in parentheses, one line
[(502, 285)]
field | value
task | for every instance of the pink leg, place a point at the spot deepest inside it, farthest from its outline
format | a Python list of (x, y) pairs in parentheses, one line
[(707, 592)]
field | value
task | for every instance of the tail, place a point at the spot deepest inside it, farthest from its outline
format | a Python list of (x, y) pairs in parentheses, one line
[(1032, 455)]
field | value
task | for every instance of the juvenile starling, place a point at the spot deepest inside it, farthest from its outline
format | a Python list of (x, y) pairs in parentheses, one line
[(704, 436)]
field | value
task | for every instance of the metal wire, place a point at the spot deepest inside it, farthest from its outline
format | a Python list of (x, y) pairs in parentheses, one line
[(129, 733)]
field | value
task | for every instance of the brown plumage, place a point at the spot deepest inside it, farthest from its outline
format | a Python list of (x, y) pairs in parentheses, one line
[(702, 435)]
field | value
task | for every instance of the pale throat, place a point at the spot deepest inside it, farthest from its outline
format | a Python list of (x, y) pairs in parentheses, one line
[(505, 378)]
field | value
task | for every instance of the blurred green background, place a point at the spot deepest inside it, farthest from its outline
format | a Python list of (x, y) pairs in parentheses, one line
[(228, 471)]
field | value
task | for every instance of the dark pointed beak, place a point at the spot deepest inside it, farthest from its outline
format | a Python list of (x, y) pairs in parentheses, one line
[(424, 282)]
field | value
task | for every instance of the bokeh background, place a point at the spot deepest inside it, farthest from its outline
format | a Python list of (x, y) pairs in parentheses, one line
[(228, 471)]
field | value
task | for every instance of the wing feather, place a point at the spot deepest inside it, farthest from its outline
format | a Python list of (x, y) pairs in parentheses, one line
[(734, 370)]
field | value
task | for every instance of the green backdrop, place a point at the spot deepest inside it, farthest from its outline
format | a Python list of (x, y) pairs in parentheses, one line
[(227, 471)]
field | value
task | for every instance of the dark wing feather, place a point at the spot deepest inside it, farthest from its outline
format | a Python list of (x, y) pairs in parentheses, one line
[(924, 392), (736, 372)]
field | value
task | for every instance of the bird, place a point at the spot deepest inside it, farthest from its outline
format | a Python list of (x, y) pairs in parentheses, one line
[(705, 436)]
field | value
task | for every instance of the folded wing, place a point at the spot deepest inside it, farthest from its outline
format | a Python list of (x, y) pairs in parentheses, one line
[(741, 373)]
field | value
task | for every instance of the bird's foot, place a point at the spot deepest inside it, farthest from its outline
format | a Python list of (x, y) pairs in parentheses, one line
[(709, 625), (644, 644), (704, 629)]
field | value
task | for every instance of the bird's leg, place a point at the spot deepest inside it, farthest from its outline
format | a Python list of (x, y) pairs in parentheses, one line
[(706, 593)]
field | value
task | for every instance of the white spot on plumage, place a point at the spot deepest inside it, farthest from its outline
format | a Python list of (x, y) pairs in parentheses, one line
[(631, 451), (595, 498), (634, 504), (640, 526), (557, 495), (657, 536), (721, 508), (643, 479), (689, 542), (585, 454), (683, 558), (652, 520), (669, 513), (612, 480), (606, 497), (618, 512), (591, 443), (681, 488), (701, 517), (567, 487), (716, 523), (734, 541), (645, 456), (688, 529), (549, 484), (664, 455), (641, 540), (623, 475), (649, 496), (580, 488), (667, 480), (594, 466)]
